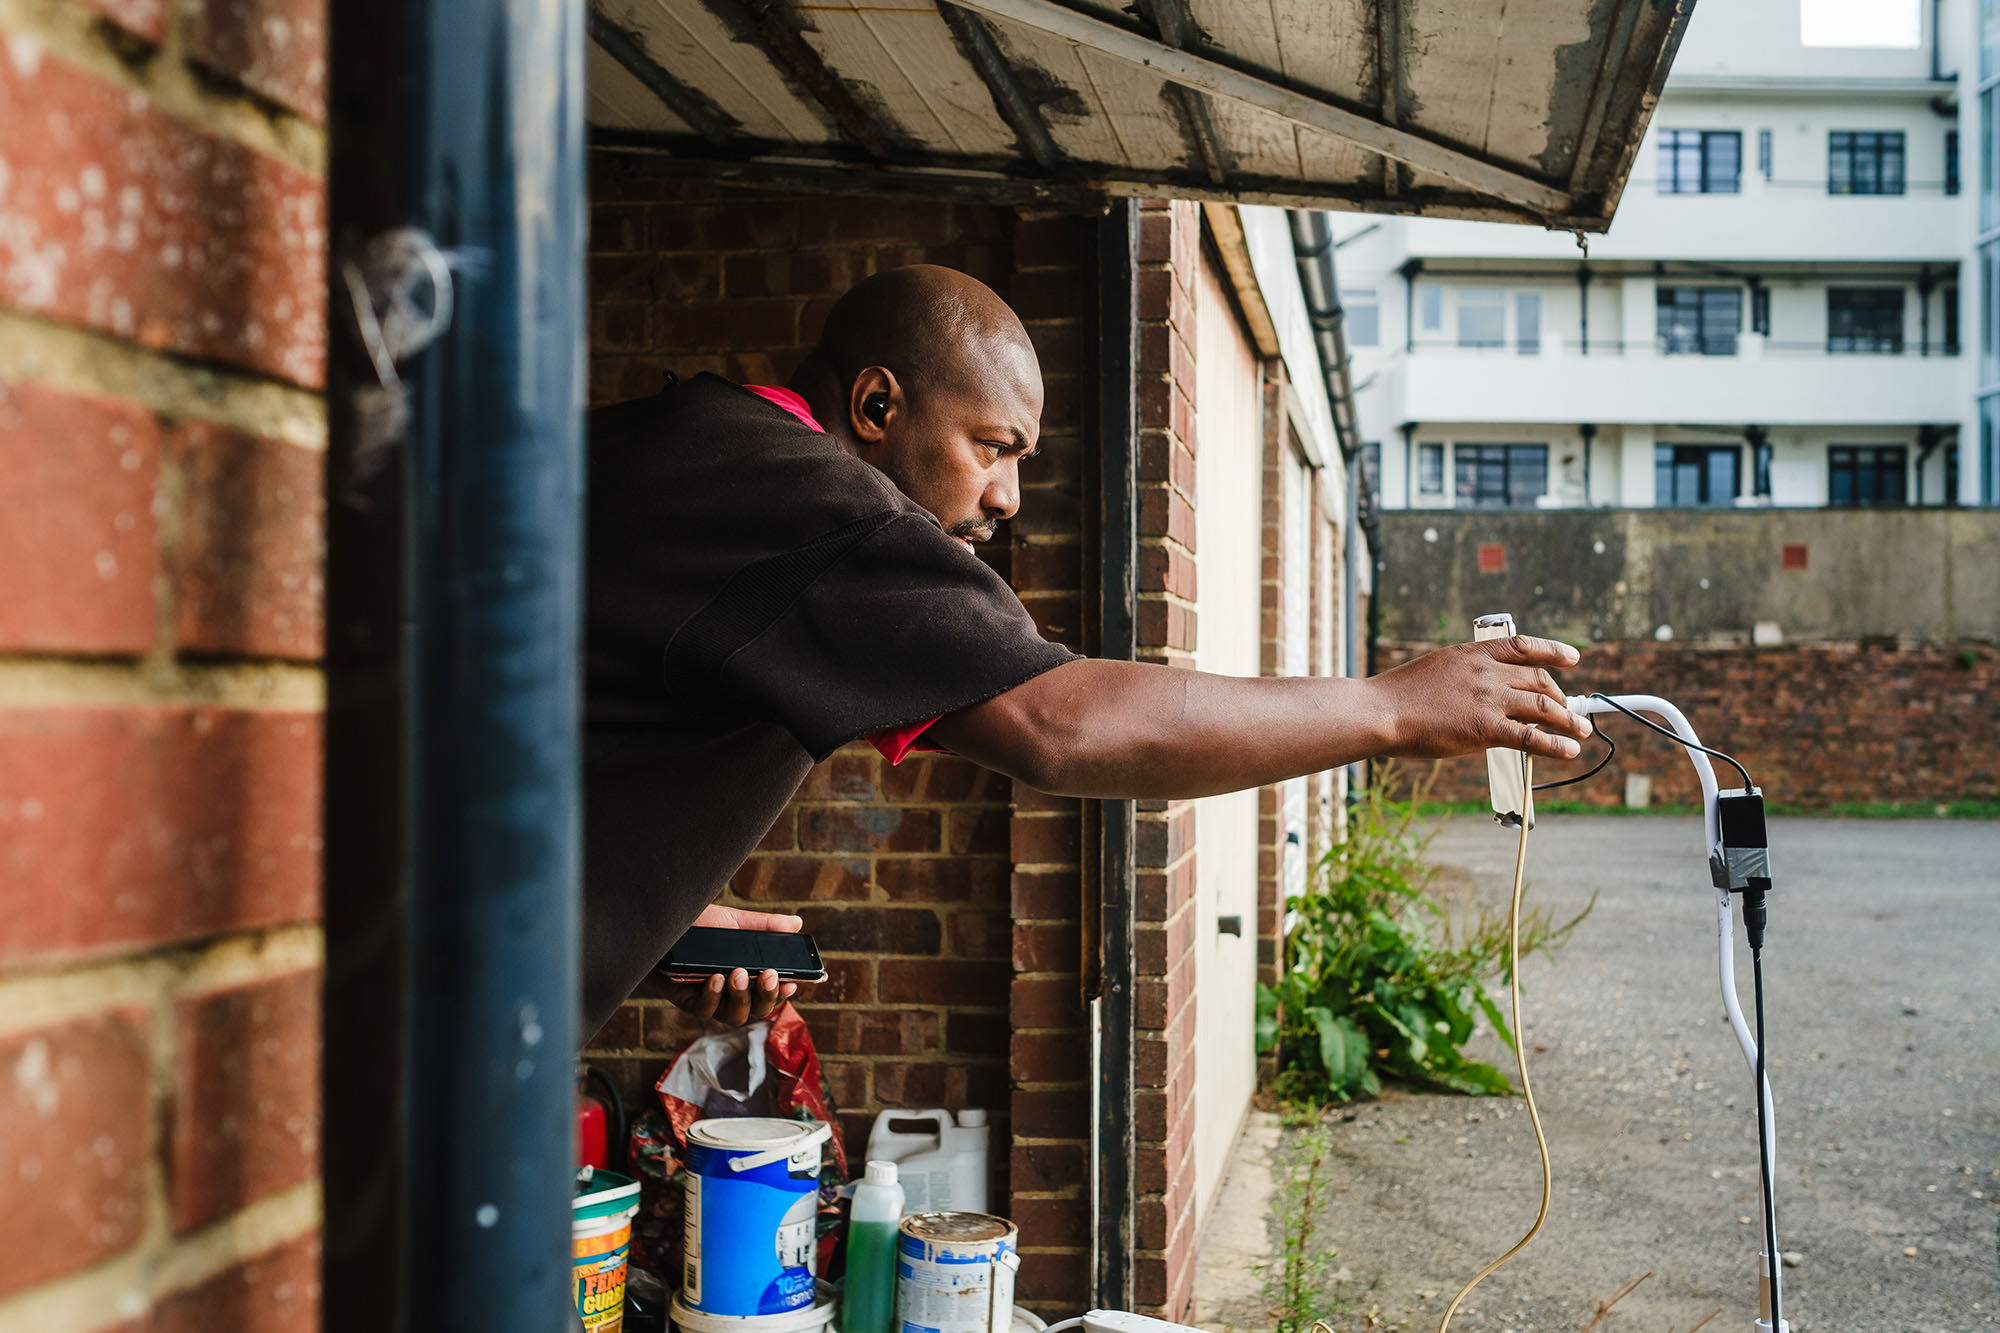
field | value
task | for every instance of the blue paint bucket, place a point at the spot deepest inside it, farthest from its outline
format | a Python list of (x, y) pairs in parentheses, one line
[(751, 1214)]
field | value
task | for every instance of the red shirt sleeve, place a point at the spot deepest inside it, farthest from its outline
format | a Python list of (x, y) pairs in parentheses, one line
[(898, 742)]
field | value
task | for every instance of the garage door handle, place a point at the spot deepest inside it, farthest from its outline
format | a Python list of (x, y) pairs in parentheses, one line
[(1229, 925)]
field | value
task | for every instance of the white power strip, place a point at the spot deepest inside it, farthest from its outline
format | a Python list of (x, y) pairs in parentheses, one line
[(1123, 1321)]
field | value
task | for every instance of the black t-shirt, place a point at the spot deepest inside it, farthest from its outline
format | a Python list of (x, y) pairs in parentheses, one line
[(757, 597)]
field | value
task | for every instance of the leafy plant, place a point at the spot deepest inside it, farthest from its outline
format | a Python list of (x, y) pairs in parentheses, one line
[(1301, 1297), (1377, 980)]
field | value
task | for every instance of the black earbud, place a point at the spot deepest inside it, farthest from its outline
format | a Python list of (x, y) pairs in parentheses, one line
[(876, 408)]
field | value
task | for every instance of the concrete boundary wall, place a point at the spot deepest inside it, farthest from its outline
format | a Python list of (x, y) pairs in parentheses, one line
[(1716, 578)]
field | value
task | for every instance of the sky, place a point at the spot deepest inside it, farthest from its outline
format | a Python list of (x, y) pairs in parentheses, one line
[(1861, 23)]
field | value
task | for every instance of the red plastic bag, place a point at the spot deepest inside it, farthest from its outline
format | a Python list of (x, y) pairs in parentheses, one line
[(765, 1069)]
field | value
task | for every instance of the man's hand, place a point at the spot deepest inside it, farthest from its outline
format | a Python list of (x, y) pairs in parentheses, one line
[(735, 999), (1475, 696)]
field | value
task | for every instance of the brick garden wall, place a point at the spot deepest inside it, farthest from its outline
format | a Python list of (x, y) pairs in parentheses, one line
[(945, 900), (1815, 723), (161, 435)]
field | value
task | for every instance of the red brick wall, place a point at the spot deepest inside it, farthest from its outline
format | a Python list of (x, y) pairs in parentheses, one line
[(162, 344), (1163, 940), (1048, 1047), (944, 898), (1815, 723)]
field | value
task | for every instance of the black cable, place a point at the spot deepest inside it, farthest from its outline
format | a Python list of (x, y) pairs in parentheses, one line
[(1764, 1151), (1610, 748), (1675, 736)]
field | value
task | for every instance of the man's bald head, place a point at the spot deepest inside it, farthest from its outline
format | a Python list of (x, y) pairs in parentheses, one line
[(933, 327), (925, 373)]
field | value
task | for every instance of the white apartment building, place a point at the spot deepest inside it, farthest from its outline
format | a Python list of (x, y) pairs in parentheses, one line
[(1777, 317)]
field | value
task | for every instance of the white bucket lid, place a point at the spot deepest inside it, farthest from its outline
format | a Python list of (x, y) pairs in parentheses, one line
[(805, 1320), (585, 1227), (751, 1132)]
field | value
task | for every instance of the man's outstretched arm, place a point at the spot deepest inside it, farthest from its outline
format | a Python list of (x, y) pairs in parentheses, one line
[(1130, 729)]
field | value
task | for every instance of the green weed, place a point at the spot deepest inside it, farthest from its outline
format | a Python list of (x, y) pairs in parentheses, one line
[(1378, 980)]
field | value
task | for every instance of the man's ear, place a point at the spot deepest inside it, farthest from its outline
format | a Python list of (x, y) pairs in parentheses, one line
[(874, 403)]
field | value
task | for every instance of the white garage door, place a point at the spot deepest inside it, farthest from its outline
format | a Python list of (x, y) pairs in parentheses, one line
[(1228, 554)]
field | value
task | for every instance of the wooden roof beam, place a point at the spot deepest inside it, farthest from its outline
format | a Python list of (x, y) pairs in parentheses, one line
[(781, 41), (1211, 76), (975, 41), (1174, 22)]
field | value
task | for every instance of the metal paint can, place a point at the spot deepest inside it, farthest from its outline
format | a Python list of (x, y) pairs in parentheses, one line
[(752, 1204), (955, 1273)]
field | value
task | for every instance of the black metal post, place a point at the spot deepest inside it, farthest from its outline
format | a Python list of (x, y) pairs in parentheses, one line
[(1115, 423), (454, 561)]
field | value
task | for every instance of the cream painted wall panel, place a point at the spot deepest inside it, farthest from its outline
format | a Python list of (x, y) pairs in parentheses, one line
[(1228, 539)]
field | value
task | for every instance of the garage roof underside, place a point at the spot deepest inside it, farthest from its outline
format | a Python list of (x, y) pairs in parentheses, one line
[(1512, 110)]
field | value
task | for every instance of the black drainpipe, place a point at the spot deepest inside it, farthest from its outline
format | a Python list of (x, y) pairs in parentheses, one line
[(1312, 250), (1583, 308), (1589, 432), (1115, 423), (455, 391)]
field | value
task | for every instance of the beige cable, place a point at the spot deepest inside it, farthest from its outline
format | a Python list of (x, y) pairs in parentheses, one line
[(1520, 1054)]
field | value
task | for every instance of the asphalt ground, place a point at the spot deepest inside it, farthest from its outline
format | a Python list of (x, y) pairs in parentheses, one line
[(1883, 974)]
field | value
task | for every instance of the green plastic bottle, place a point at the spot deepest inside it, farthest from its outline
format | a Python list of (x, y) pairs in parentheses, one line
[(868, 1302)]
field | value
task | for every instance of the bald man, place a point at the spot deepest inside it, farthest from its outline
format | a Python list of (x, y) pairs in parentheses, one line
[(775, 572)]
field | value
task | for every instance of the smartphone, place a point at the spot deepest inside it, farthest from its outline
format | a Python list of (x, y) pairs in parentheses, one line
[(705, 950)]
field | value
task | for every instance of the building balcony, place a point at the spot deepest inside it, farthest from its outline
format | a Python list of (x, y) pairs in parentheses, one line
[(1789, 222), (1765, 382)]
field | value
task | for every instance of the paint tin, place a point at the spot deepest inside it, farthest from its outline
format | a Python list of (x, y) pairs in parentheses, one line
[(955, 1273), (600, 1239), (752, 1206)]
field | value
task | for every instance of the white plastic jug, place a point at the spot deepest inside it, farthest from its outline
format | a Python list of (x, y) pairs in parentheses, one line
[(940, 1161)]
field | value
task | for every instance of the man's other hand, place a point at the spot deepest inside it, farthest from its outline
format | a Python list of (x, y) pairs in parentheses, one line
[(1475, 696), (737, 998)]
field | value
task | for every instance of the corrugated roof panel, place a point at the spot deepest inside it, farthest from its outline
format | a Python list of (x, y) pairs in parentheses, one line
[(618, 98), (692, 44), (899, 61), (1524, 109)]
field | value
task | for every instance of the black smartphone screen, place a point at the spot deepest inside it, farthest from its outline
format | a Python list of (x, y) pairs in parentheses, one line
[(706, 949)]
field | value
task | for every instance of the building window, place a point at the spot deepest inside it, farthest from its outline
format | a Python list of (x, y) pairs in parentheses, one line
[(1951, 161), (1363, 317), (1432, 306), (1760, 309), (1864, 162), (1528, 323), (1760, 469), (1695, 476), (1949, 293), (1989, 179), (1764, 154), (1482, 317), (1501, 476), (1700, 161), (1865, 475), (1430, 469), (1699, 321), (1989, 353), (1864, 319)]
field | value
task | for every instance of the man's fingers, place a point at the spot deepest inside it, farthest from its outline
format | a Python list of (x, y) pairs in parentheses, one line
[(1548, 708), (1526, 650), (1543, 744), (736, 918)]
